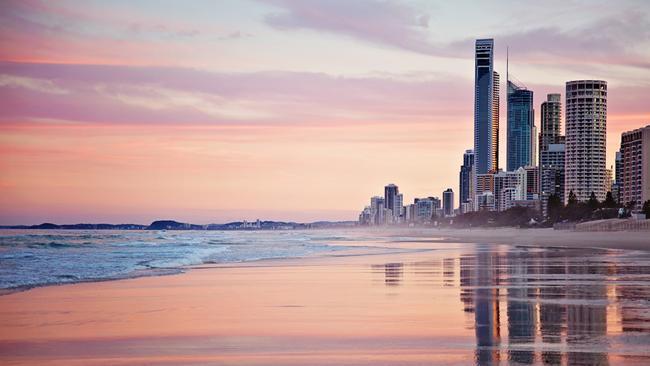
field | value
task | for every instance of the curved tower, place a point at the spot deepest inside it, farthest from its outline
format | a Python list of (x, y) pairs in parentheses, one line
[(586, 128)]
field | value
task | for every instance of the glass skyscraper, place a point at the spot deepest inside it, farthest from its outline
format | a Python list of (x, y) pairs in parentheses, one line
[(520, 126), (486, 109), (465, 177)]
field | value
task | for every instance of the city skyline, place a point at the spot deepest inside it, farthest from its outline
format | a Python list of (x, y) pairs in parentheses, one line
[(187, 112)]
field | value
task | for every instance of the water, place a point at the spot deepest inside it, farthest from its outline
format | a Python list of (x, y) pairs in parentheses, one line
[(31, 258), (405, 296)]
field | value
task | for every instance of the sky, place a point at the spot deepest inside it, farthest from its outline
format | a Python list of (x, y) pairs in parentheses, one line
[(215, 111)]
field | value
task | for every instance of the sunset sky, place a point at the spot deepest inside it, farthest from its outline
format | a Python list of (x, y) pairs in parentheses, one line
[(213, 111)]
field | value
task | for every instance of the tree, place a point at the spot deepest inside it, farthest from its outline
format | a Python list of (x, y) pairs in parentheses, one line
[(609, 201), (554, 207), (573, 200), (646, 209), (593, 202)]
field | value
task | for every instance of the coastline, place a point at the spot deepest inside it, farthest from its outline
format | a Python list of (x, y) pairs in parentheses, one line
[(354, 309)]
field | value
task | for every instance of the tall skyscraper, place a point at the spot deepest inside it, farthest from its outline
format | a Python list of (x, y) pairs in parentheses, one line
[(390, 197), (551, 150), (486, 107), (465, 177), (586, 127), (635, 167), (520, 126), (551, 122), (618, 177), (448, 202)]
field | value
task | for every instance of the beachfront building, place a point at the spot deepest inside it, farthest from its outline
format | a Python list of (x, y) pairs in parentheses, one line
[(508, 187), (486, 109), (520, 140), (485, 202), (635, 166), (448, 202), (377, 211), (484, 183), (465, 178), (552, 174), (532, 182), (616, 186), (551, 150), (586, 127), (391, 202)]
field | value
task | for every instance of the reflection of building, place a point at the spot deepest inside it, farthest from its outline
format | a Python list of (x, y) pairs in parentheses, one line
[(486, 308), (392, 273), (552, 313), (521, 309), (587, 321)]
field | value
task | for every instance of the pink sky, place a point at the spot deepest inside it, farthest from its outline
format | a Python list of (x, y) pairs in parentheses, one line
[(293, 110)]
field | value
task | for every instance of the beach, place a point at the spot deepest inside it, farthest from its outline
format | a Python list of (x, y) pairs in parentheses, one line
[(414, 300)]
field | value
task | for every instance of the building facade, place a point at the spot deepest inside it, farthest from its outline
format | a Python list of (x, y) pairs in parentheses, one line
[(551, 174), (586, 128), (486, 106), (448, 202), (465, 178), (390, 199), (635, 166), (520, 141)]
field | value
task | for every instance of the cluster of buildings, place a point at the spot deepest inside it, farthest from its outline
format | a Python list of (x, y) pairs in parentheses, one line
[(390, 209), (539, 164)]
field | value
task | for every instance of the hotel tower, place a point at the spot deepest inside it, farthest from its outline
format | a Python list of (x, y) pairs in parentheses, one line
[(586, 127), (486, 109)]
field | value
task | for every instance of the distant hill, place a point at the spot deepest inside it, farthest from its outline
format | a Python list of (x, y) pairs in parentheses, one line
[(175, 225)]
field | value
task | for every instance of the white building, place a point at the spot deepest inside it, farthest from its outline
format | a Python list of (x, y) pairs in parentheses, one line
[(586, 128)]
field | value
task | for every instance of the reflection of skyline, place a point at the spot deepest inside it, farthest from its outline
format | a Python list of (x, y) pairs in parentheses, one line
[(556, 304), (392, 273)]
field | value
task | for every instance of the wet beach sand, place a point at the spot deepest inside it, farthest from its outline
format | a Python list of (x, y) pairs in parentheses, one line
[(399, 302)]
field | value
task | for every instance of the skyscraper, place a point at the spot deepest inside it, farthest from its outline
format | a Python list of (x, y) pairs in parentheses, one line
[(520, 126), (486, 106), (551, 122), (448, 202), (635, 167), (586, 127), (551, 151), (390, 197), (465, 177)]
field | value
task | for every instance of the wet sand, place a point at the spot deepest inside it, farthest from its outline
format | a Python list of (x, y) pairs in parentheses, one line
[(549, 237), (455, 304)]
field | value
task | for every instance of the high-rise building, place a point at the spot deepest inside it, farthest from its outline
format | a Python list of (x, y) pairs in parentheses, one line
[(551, 122), (586, 128), (635, 166), (520, 126), (508, 187), (551, 150), (448, 202), (377, 207), (532, 182), (465, 178), (551, 173), (398, 207), (486, 106), (616, 186), (390, 197)]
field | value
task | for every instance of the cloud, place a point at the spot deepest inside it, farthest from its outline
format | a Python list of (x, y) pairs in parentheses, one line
[(39, 85), (127, 94), (380, 22)]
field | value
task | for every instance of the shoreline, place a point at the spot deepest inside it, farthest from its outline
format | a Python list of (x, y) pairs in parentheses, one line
[(408, 307), (531, 237)]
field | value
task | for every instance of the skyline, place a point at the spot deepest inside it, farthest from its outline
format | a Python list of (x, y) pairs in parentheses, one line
[(130, 114)]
